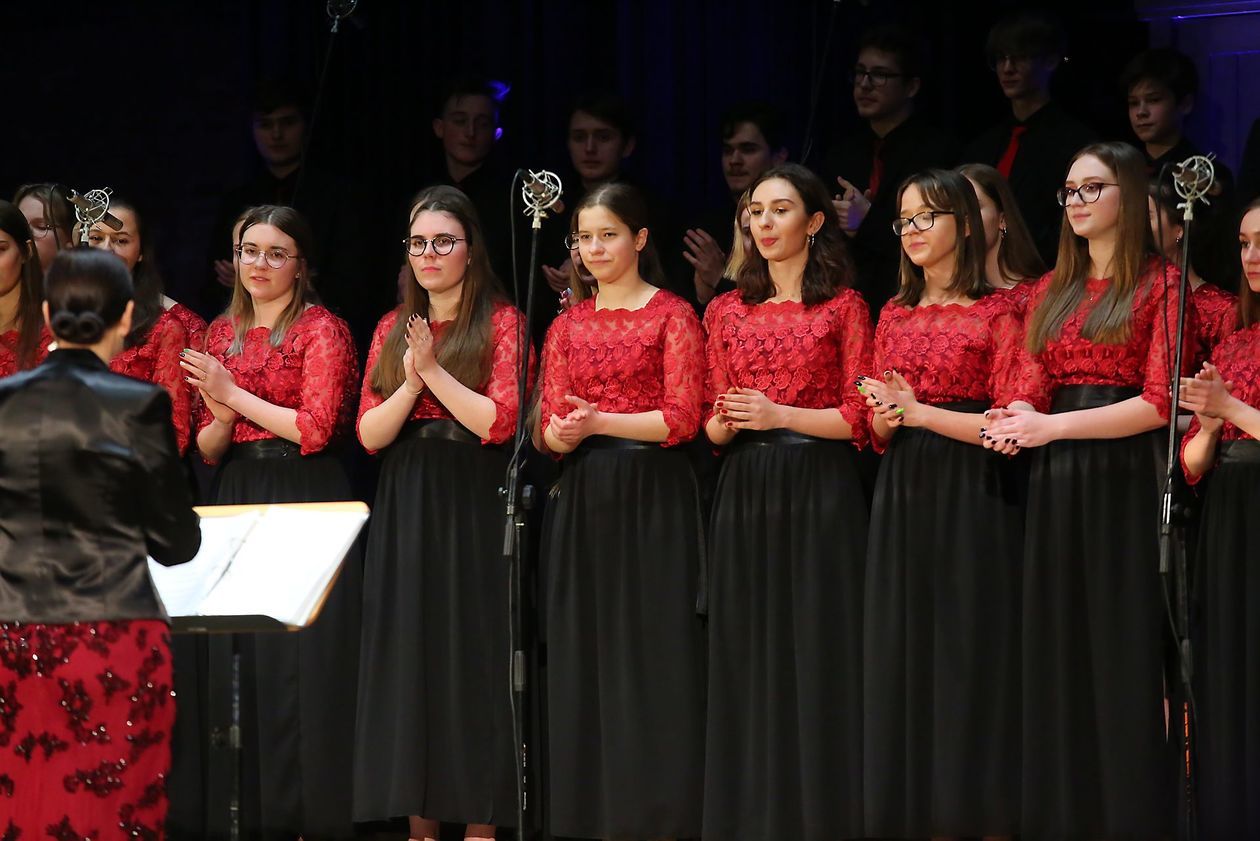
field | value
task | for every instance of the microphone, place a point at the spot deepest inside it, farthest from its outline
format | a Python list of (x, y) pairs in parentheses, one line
[(94, 207), (540, 190), (1194, 179)]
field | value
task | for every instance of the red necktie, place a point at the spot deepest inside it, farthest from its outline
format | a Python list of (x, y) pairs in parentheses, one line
[(877, 168), (1012, 149)]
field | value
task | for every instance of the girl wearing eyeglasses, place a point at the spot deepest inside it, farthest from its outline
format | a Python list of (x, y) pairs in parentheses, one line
[(158, 333), (24, 338), (1099, 338), (277, 384), (1223, 441), (439, 398), (622, 383), (51, 217), (788, 537), (942, 667)]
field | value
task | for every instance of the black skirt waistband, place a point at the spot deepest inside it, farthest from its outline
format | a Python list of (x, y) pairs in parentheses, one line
[(1244, 451), (1070, 398), (266, 448), (969, 406), (443, 429), (776, 437), (610, 442)]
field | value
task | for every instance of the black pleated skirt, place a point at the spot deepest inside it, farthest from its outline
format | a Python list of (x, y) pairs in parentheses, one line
[(434, 735), (622, 548), (1228, 646), (1097, 762), (788, 543), (299, 688), (942, 640)]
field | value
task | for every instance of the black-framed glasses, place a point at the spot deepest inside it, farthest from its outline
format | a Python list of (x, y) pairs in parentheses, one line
[(274, 257), (1088, 193), (877, 76), (443, 244), (921, 221)]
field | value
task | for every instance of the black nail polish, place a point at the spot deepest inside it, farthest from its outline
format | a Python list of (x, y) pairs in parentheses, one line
[(892, 405), (1010, 440)]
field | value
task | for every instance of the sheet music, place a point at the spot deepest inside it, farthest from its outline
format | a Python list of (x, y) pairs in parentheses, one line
[(184, 587)]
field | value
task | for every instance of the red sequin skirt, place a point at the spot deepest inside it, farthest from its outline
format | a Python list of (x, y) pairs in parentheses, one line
[(86, 712)]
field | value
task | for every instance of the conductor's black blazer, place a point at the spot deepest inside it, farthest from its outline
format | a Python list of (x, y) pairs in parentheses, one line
[(90, 483)]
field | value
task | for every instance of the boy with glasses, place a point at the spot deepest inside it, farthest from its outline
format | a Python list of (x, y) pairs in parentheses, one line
[(1033, 145), (870, 162)]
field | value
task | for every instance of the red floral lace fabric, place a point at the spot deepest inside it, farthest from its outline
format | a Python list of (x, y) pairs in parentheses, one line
[(86, 713), (1216, 315), (156, 360), (193, 323), (951, 353), (9, 359), (1237, 357), (500, 387), (1017, 296), (314, 370), (808, 357), (628, 361), (1143, 362)]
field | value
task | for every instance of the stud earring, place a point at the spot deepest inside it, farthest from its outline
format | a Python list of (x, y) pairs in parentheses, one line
[(1002, 231), (811, 240)]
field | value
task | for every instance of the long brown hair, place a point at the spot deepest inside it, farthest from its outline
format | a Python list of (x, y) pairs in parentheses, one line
[(30, 318), (146, 280), (1248, 301), (1109, 321), (827, 268), (465, 348), (1017, 254), (58, 212), (946, 191), (240, 310), (627, 204)]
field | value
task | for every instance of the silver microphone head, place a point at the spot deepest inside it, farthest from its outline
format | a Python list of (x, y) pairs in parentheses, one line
[(93, 207), (540, 190), (1193, 178)]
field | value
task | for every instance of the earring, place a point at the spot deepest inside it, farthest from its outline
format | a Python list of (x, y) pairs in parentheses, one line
[(1002, 231), (1179, 238), (811, 240)]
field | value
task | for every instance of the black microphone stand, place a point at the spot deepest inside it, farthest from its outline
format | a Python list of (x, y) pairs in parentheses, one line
[(540, 192), (1191, 184)]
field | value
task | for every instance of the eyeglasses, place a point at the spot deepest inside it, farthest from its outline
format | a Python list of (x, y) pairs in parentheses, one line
[(443, 244), (41, 229), (275, 257), (878, 77), (1087, 193), (921, 221)]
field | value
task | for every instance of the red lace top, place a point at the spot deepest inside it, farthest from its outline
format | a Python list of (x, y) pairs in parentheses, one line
[(628, 361), (500, 388), (1216, 316), (808, 357), (156, 360), (951, 353), (1143, 362), (1017, 296), (193, 323), (1237, 357), (8, 350), (314, 370)]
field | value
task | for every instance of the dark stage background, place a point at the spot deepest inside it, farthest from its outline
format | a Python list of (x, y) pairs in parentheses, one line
[(152, 98)]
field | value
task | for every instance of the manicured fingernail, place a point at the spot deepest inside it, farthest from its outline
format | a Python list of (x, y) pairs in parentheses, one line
[(862, 389), (983, 433), (888, 373), (1010, 440), (901, 411)]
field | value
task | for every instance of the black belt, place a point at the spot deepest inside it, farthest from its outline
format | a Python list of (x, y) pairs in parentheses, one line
[(1243, 451), (266, 448), (1070, 398), (610, 442), (776, 437), (443, 429), (968, 406)]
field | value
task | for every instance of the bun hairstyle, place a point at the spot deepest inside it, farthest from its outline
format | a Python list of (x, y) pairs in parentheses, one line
[(87, 291)]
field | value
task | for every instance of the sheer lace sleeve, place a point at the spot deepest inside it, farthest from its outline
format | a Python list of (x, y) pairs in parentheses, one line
[(368, 398), (169, 338), (328, 372), (502, 386), (717, 360), (555, 372), (683, 360), (853, 325), (1162, 299), (1008, 358)]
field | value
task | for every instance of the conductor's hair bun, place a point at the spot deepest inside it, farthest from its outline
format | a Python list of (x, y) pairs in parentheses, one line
[(81, 328)]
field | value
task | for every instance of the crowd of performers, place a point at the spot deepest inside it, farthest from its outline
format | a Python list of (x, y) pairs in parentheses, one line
[(980, 649)]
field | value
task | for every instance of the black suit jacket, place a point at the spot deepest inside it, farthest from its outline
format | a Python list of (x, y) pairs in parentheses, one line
[(90, 482)]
